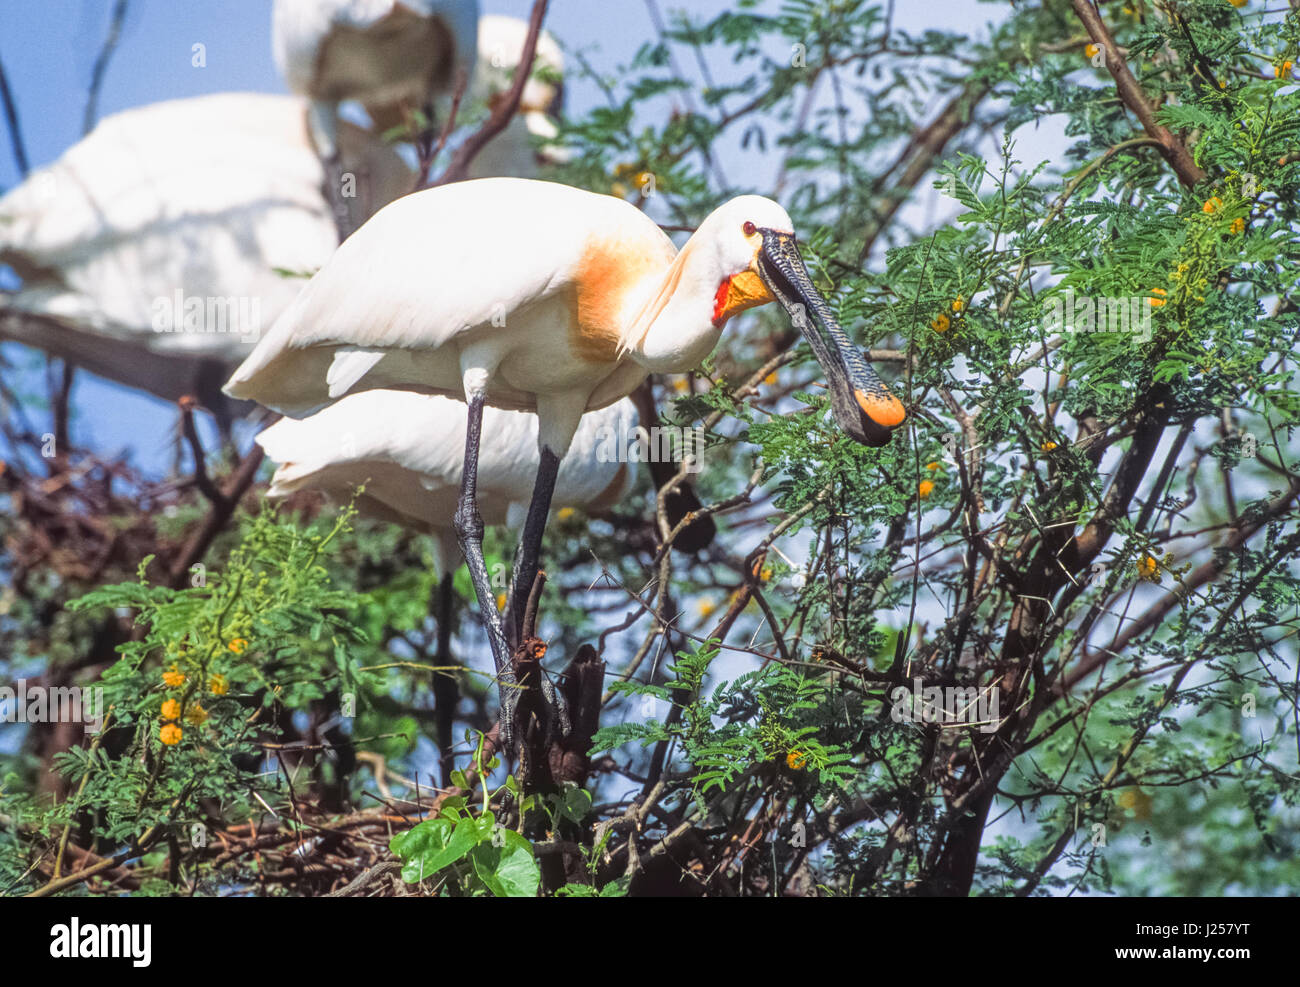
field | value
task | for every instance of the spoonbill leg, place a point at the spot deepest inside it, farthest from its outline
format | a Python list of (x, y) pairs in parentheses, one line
[(323, 125), (446, 688), (469, 534), (528, 554)]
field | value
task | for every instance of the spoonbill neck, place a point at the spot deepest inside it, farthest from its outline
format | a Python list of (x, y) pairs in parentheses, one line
[(675, 330)]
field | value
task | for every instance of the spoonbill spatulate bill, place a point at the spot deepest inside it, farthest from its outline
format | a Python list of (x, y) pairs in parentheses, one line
[(538, 296)]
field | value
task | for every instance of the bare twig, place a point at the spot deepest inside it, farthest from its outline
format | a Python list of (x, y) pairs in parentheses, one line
[(217, 517), (1130, 91), (91, 114), (504, 110), (16, 142)]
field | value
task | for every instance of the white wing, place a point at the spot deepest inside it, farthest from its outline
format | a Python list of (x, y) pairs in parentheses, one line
[(437, 268)]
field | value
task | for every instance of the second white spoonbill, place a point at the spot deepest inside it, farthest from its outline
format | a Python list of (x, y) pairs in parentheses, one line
[(408, 450), (152, 251)]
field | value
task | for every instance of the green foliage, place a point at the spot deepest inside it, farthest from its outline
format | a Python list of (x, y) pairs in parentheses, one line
[(187, 696), (468, 855)]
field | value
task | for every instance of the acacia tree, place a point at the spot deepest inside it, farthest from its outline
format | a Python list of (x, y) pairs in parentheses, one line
[(1037, 643)]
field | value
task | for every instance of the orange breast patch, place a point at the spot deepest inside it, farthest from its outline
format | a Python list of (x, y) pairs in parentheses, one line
[(609, 269)]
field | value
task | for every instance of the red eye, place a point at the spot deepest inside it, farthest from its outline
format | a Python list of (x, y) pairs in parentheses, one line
[(749, 228)]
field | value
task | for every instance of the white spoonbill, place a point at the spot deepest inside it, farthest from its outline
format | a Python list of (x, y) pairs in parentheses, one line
[(408, 449), (539, 296), (514, 151), (149, 251), (393, 56)]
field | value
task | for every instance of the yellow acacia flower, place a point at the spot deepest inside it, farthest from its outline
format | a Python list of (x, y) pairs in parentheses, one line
[(766, 574), (706, 608), (770, 379), (1090, 51), (1137, 800), (1238, 225), (1048, 446), (196, 715), (239, 645), (795, 760), (170, 734), (1157, 302), (1212, 204), (681, 385), (218, 686), (1238, 3), (941, 323), (171, 709), (173, 677), (501, 601), (934, 466), (925, 489), (1283, 70), (564, 513), (959, 303), (1149, 569)]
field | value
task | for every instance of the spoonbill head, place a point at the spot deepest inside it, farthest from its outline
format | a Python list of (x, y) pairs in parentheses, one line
[(756, 239), (393, 56)]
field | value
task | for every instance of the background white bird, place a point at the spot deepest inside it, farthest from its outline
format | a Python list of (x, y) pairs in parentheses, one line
[(200, 200), (393, 56), (514, 151), (408, 450), (539, 296)]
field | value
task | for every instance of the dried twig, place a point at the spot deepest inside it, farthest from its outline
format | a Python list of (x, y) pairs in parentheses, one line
[(504, 110)]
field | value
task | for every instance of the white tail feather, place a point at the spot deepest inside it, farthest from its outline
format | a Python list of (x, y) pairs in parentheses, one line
[(349, 366)]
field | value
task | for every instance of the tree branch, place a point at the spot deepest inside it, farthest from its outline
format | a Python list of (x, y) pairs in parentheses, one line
[(504, 111), (1131, 92)]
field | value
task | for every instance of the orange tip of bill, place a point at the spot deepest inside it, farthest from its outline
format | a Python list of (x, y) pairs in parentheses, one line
[(881, 408)]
